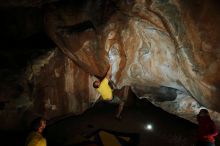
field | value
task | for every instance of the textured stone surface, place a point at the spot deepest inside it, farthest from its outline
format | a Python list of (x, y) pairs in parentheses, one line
[(167, 50), (151, 44), (60, 87)]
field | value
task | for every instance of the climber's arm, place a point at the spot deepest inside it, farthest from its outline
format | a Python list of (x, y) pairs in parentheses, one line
[(109, 73)]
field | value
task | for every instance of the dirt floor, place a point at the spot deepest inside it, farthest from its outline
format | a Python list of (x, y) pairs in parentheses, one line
[(167, 129)]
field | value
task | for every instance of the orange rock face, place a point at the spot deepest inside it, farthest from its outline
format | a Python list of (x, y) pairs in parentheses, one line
[(167, 51), (157, 44)]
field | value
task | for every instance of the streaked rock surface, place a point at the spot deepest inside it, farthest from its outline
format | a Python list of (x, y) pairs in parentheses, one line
[(166, 50), (150, 44)]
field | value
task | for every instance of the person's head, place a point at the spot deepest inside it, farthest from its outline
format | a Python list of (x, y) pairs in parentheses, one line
[(203, 112), (96, 84), (39, 124)]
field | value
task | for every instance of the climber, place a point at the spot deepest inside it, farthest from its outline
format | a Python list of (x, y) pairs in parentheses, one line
[(106, 93), (207, 129), (35, 138)]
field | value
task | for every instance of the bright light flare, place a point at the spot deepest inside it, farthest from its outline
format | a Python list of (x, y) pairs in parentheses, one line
[(148, 127)]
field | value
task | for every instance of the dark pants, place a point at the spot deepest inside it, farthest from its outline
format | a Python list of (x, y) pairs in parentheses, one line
[(204, 143), (115, 100)]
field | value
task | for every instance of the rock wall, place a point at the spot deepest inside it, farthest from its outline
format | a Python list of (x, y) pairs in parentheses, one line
[(166, 50), (152, 44), (60, 87)]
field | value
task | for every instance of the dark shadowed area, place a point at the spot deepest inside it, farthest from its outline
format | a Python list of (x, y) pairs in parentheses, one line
[(70, 130), (51, 51)]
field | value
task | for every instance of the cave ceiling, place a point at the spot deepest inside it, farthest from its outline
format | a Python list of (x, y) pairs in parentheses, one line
[(166, 50)]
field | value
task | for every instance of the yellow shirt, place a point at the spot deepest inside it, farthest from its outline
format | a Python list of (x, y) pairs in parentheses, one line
[(35, 139), (105, 90)]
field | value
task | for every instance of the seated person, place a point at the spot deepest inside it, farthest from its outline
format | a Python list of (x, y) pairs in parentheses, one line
[(207, 129), (35, 138)]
